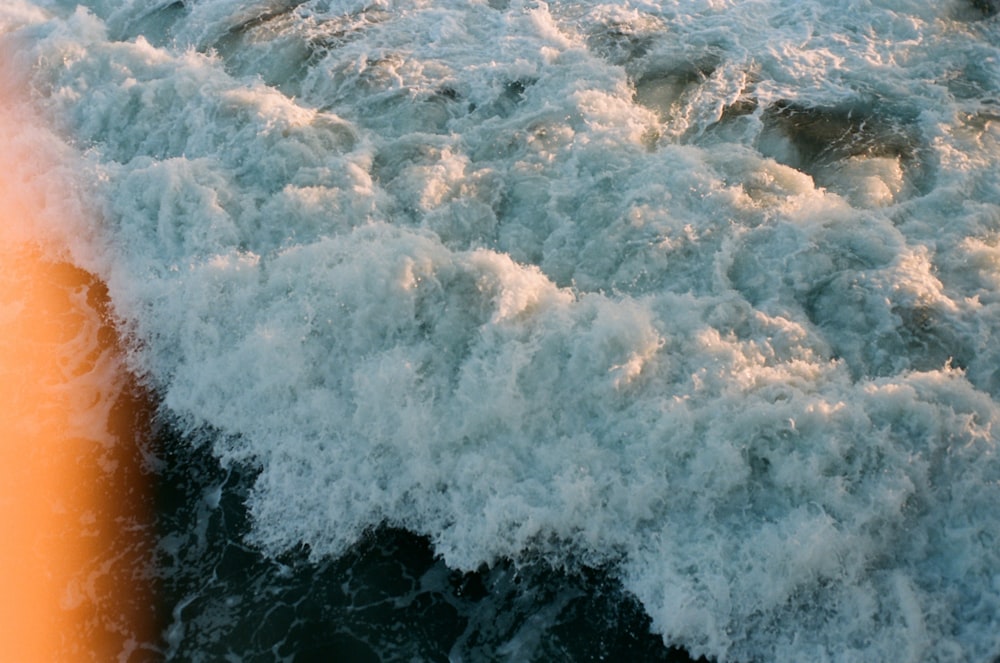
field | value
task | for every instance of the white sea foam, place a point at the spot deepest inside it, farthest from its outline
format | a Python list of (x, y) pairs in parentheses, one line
[(703, 291)]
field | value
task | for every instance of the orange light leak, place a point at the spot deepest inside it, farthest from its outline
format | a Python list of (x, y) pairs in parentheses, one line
[(75, 518)]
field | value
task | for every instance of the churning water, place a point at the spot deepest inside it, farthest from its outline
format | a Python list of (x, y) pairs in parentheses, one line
[(703, 294)]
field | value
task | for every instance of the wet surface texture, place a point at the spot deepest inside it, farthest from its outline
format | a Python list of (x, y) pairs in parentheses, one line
[(387, 599)]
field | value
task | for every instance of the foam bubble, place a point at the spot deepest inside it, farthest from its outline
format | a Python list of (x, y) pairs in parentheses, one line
[(638, 287)]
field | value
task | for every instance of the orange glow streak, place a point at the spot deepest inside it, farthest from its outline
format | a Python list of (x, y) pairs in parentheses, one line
[(75, 539)]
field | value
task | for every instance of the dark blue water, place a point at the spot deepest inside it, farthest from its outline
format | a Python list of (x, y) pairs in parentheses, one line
[(387, 599)]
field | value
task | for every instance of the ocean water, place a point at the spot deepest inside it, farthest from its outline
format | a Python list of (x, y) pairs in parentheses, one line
[(685, 313)]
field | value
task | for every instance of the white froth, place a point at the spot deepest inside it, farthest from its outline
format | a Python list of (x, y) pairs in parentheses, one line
[(704, 292)]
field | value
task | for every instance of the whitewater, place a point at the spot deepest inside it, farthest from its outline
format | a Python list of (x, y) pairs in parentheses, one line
[(705, 293)]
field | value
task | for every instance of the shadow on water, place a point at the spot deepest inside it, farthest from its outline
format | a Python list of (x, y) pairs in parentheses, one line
[(986, 8), (387, 599), (872, 156)]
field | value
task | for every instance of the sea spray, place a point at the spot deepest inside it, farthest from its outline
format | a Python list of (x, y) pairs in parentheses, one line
[(643, 287)]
